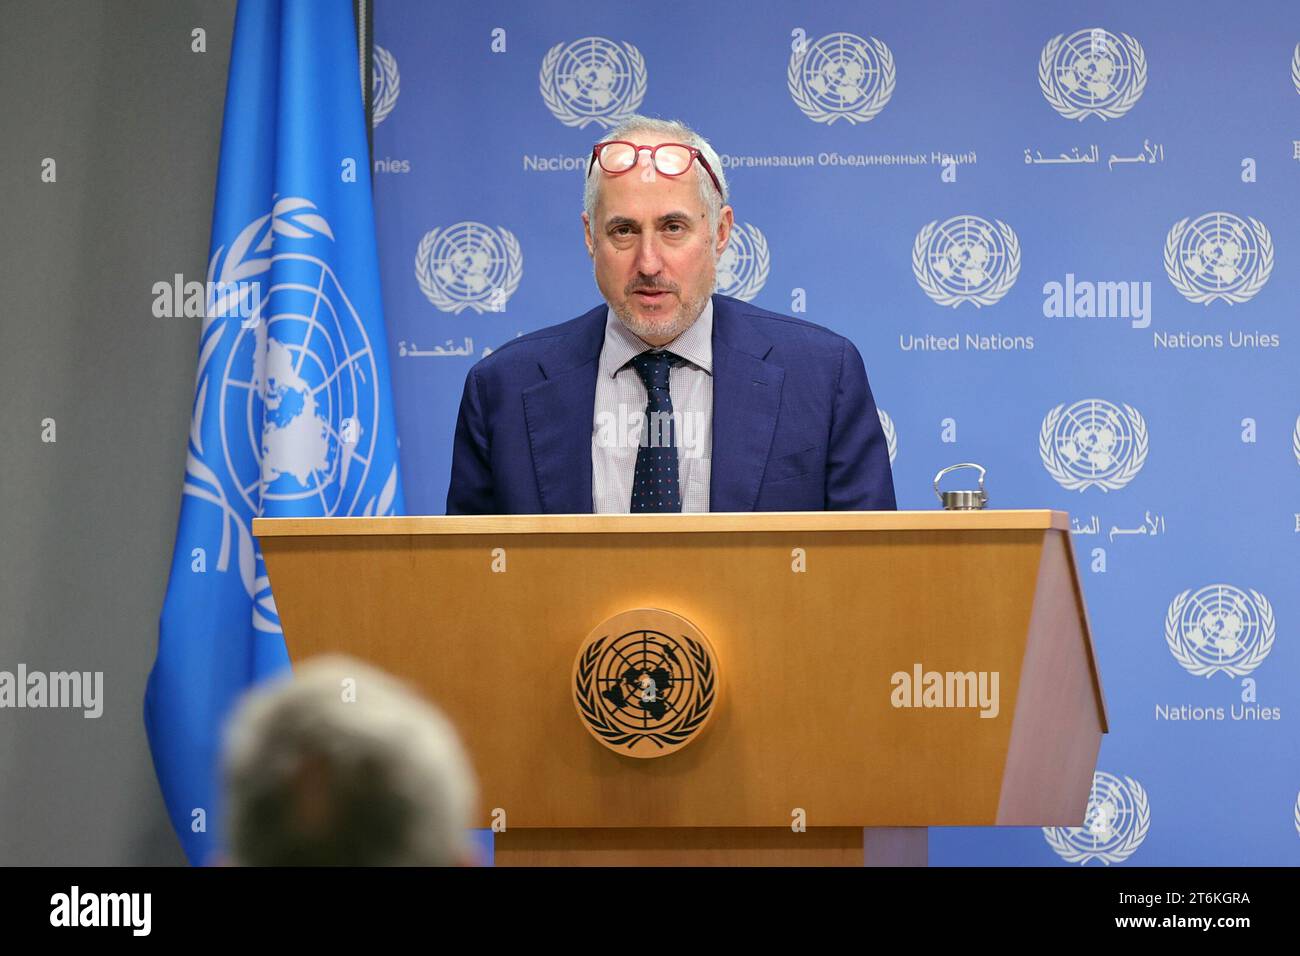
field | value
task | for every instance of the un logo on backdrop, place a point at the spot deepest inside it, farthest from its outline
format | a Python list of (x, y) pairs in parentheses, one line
[(1220, 628), (743, 265), (891, 436), (966, 259), (1092, 73), (841, 76), (387, 84), (1218, 256), (1114, 825), (593, 80), (1091, 443), (469, 266), (1295, 68)]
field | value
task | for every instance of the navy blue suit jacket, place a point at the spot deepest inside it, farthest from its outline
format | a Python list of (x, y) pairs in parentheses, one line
[(794, 424)]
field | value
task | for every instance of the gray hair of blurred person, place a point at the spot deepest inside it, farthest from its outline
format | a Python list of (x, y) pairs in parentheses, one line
[(343, 765), (673, 131)]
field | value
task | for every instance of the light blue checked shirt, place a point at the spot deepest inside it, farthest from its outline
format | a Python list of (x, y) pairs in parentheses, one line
[(619, 415)]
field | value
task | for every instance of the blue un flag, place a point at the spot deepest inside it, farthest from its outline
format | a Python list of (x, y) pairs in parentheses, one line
[(293, 412)]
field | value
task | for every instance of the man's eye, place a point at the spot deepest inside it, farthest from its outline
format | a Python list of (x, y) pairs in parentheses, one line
[(675, 227), (622, 230)]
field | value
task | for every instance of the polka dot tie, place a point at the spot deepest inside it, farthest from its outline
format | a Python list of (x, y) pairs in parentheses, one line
[(655, 484)]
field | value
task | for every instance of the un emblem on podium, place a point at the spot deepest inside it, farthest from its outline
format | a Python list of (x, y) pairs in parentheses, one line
[(645, 682)]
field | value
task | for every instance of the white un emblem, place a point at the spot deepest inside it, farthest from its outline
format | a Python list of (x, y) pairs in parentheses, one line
[(891, 435), (1114, 825), (1092, 73), (1220, 628), (1091, 443), (841, 76), (593, 80), (469, 266), (1218, 256), (744, 264), (966, 259), (387, 84), (295, 398)]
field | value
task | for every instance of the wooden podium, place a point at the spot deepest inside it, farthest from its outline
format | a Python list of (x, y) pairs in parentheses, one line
[(818, 621)]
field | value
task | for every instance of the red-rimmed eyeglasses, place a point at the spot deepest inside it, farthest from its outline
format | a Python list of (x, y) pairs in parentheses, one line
[(671, 159)]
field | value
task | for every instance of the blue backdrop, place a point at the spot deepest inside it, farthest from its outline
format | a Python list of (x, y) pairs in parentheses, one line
[(1064, 238)]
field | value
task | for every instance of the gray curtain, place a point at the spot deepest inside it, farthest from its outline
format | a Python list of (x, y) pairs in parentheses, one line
[(132, 117)]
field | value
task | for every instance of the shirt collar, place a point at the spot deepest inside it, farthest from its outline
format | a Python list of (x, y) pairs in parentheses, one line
[(621, 345)]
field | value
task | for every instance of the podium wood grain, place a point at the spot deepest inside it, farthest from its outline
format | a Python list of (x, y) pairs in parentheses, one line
[(806, 658)]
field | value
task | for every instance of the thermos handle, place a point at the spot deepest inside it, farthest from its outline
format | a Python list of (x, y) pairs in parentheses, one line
[(959, 499)]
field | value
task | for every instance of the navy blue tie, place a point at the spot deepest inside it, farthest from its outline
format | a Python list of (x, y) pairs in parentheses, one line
[(655, 484)]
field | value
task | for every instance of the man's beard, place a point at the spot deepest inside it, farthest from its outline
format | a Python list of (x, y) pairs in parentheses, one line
[(683, 318)]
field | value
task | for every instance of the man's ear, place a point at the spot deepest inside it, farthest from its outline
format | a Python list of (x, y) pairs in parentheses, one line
[(725, 221), (586, 235)]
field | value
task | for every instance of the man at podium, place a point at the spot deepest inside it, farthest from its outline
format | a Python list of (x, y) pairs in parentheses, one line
[(667, 398)]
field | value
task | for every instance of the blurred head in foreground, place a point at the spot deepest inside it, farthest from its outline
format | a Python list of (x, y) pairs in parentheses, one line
[(341, 765)]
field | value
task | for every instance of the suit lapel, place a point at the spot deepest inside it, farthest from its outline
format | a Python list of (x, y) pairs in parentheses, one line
[(558, 412), (746, 399)]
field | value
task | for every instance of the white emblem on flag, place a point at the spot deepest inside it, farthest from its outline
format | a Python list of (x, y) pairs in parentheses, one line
[(297, 399)]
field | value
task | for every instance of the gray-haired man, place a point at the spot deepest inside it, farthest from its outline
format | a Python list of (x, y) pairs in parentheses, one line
[(341, 765), (768, 412)]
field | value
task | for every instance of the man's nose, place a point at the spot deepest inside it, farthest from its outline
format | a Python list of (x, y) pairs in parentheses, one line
[(648, 260)]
